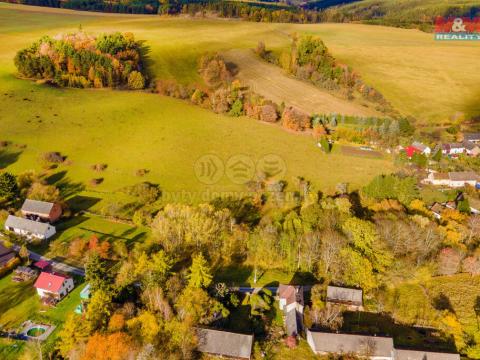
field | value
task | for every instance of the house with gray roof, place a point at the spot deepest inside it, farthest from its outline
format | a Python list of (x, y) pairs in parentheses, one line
[(353, 298), (291, 302), (41, 210), (453, 179), (422, 148), (29, 228), (424, 355), (224, 343), (370, 347), (472, 137)]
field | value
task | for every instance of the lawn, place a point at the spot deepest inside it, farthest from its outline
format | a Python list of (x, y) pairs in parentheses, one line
[(85, 227), (19, 302)]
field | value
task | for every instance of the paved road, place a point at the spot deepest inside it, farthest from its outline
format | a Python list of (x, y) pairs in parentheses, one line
[(56, 265)]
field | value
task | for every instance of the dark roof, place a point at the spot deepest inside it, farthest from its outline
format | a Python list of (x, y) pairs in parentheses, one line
[(424, 355), (346, 343), (291, 293), (437, 208), (31, 226), (345, 295), (5, 255), (224, 343), (37, 207), (472, 136)]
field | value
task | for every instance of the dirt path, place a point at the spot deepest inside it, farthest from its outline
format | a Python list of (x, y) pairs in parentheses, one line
[(271, 82)]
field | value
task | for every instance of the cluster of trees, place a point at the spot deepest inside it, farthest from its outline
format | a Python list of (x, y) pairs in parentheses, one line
[(83, 60), (129, 7), (309, 59)]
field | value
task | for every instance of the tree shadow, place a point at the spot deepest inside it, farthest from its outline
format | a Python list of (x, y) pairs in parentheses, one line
[(234, 275), (442, 302), (54, 178), (82, 203), (8, 158), (147, 62), (303, 278), (69, 188), (413, 337)]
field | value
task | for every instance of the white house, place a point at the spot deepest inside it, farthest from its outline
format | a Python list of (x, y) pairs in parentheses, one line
[(422, 148), (291, 302), (370, 347), (54, 286), (452, 179), (29, 228)]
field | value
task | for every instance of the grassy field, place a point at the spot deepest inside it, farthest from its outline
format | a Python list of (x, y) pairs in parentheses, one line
[(131, 131)]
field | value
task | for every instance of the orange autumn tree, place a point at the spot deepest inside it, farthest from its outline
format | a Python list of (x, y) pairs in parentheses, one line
[(102, 248), (116, 346)]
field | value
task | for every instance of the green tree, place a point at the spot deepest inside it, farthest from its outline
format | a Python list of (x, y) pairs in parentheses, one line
[(200, 275), (8, 186), (73, 333), (99, 310), (98, 274)]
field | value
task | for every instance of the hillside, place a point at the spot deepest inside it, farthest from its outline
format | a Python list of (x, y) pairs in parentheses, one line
[(401, 13)]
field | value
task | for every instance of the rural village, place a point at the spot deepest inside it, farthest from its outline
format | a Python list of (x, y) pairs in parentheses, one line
[(166, 197)]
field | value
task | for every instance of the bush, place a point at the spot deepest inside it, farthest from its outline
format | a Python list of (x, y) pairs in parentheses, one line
[(53, 157), (295, 119), (136, 80)]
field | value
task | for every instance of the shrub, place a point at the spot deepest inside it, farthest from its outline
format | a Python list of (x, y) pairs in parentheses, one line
[(136, 80), (95, 182), (295, 119), (99, 167), (268, 113), (53, 157)]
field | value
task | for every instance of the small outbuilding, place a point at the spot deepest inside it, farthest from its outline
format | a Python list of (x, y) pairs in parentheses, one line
[(424, 355), (41, 211), (370, 347), (6, 256), (224, 343), (346, 296), (29, 228)]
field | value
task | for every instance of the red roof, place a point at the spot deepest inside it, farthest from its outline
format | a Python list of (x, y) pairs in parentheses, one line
[(50, 282), (42, 264), (410, 150)]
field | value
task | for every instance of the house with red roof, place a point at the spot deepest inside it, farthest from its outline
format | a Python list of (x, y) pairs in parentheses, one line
[(53, 286)]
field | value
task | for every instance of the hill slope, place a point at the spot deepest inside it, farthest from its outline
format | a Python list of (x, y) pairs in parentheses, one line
[(402, 13)]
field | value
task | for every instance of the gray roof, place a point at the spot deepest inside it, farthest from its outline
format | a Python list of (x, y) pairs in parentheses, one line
[(424, 355), (472, 136), (346, 343), (224, 343), (291, 323), (463, 176), (31, 226), (419, 145), (346, 295), (37, 207)]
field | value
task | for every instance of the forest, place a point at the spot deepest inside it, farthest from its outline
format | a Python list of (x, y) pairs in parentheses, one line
[(85, 61)]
